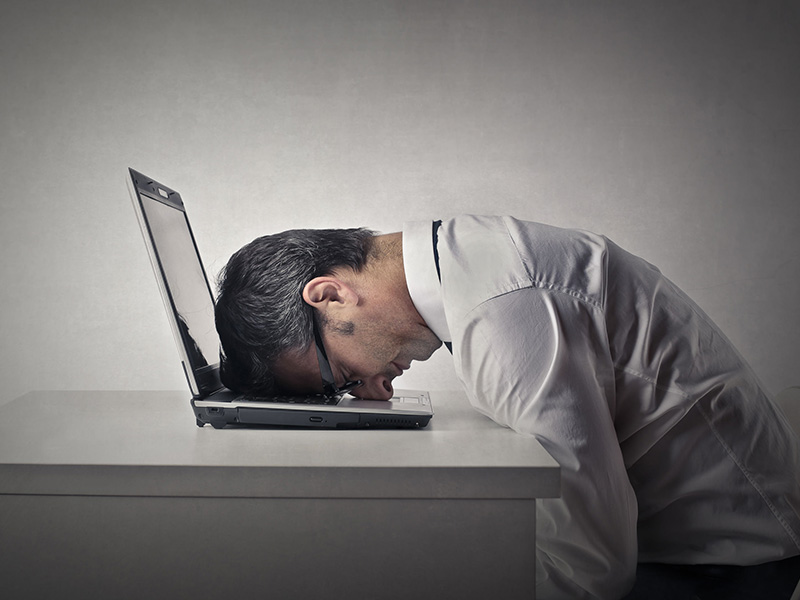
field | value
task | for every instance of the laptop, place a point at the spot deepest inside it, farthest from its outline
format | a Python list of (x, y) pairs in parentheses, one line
[(189, 302)]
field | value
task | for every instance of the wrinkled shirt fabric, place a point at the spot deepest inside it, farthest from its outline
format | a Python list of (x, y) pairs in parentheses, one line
[(670, 449)]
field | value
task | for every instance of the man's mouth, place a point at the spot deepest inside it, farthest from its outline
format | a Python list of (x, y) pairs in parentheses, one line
[(400, 367)]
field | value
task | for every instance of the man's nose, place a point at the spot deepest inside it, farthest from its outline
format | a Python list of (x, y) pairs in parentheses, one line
[(377, 387)]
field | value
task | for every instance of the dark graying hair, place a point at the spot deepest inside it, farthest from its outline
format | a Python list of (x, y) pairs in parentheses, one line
[(260, 312)]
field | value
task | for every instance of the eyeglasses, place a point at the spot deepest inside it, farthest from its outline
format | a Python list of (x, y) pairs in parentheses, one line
[(329, 387)]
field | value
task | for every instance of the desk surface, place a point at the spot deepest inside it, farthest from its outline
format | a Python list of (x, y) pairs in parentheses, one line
[(147, 444)]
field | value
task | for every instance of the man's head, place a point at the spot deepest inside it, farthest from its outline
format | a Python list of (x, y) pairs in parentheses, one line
[(349, 282)]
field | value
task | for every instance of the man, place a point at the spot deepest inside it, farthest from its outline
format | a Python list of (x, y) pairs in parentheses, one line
[(671, 453)]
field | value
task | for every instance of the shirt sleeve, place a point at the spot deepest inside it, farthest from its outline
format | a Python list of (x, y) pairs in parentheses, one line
[(537, 360)]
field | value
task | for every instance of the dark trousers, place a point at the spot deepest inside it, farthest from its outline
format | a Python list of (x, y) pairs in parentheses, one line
[(770, 581)]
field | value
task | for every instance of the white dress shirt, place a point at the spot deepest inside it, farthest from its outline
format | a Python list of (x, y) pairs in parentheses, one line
[(669, 448)]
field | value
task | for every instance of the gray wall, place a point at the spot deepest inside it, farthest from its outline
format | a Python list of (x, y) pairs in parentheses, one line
[(670, 126)]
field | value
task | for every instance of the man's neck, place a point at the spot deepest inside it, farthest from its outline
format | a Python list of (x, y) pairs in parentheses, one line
[(385, 264), (382, 281), (388, 269)]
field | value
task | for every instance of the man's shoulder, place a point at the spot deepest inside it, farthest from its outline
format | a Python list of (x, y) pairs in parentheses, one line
[(498, 254), (479, 258)]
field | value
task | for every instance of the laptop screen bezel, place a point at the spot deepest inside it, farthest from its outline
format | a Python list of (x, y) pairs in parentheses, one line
[(203, 380)]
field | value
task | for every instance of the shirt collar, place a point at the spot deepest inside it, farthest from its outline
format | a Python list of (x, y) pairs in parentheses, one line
[(421, 278)]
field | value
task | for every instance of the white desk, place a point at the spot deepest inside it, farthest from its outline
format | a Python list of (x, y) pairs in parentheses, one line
[(120, 495)]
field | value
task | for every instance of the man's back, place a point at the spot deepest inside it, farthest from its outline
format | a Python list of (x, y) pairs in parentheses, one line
[(662, 431), (713, 462)]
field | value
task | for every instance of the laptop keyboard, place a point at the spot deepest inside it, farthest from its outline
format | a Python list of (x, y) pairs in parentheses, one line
[(317, 400)]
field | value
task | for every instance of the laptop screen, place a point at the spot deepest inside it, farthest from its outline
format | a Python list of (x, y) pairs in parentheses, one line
[(185, 280)]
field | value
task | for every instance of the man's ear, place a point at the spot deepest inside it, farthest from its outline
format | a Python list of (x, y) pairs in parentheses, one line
[(329, 292)]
